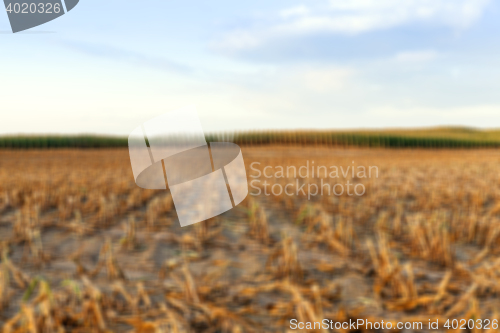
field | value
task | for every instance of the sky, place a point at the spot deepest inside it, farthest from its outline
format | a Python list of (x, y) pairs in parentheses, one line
[(108, 65)]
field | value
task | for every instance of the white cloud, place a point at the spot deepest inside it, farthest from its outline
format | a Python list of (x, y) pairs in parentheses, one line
[(453, 13), (326, 79), (354, 17), (416, 56), (294, 11)]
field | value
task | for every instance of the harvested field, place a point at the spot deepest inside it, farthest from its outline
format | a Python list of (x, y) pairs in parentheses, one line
[(86, 250)]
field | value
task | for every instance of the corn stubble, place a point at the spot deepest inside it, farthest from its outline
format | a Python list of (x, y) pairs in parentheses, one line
[(83, 249)]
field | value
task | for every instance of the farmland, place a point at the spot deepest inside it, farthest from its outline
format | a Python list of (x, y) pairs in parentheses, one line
[(86, 250), (439, 137)]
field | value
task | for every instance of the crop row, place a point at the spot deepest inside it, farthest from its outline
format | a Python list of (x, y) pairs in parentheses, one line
[(263, 138)]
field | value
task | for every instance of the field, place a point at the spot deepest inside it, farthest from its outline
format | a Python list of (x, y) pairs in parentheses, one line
[(438, 137), (85, 250)]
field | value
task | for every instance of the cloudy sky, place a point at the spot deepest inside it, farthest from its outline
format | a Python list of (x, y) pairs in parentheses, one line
[(109, 65)]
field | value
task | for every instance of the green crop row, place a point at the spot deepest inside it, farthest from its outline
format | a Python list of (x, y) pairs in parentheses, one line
[(56, 141), (355, 139), (451, 138)]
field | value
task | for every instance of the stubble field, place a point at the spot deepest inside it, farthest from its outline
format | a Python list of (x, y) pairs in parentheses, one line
[(86, 250)]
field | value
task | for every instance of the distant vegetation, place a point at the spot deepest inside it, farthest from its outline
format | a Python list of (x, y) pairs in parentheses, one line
[(60, 141), (413, 138), (423, 138)]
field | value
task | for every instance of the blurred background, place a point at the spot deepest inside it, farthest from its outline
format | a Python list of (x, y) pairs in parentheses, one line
[(109, 65)]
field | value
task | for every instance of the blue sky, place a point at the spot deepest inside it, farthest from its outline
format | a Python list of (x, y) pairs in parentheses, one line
[(109, 65)]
